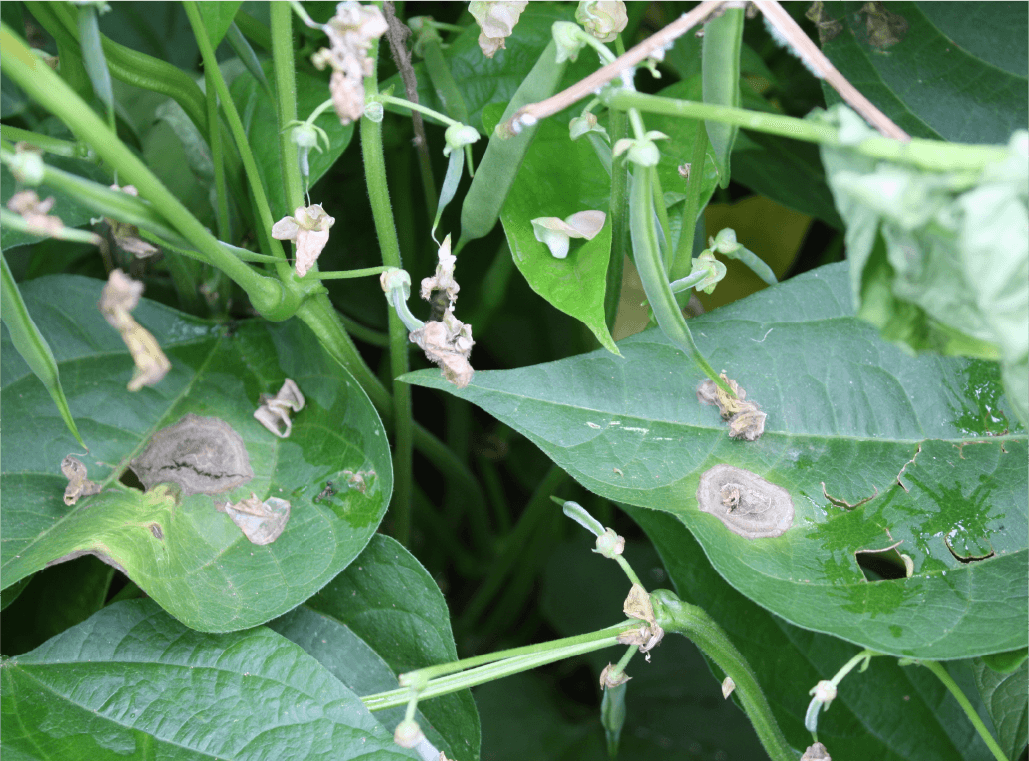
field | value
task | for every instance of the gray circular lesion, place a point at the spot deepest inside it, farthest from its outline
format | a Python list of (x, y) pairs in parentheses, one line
[(747, 504)]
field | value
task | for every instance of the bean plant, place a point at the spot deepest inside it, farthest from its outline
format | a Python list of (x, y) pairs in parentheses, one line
[(658, 370)]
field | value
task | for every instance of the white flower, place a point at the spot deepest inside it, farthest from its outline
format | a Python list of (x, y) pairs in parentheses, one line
[(309, 229), (497, 20), (556, 233), (604, 19), (569, 39)]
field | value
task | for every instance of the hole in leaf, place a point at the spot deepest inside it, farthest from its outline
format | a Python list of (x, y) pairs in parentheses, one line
[(130, 479), (879, 566)]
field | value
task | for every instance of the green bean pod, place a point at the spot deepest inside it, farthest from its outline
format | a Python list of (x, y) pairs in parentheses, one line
[(504, 155), (446, 88), (723, 40), (32, 346), (647, 254)]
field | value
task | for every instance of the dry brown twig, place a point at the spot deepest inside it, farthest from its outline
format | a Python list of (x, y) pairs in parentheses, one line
[(777, 17)]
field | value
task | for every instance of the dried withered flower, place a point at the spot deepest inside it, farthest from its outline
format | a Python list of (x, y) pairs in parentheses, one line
[(497, 20), (260, 522), (126, 236), (746, 420), (36, 213), (609, 677), (78, 484), (308, 228), (637, 605), (604, 19), (816, 752), (747, 504), (448, 344), (203, 455), (276, 409), (119, 297), (443, 280), (351, 32)]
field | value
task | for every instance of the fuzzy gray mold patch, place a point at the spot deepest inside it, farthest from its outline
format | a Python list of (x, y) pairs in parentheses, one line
[(747, 504), (203, 455)]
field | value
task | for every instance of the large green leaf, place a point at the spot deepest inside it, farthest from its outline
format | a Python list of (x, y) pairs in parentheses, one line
[(183, 552), (1005, 698), (888, 712), (844, 408), (952, 71), (54, 600), (389, 600), (134, 682), (560, 177), (258, 112)]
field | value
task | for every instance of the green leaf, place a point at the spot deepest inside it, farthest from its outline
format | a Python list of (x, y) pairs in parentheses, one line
[(843, 408), (55, 599), (259, 115), (951, 71), (132, 681), (390, 601), (183, 552), (887, 712), (217, 18), (1006, 702), (940, 262), (66, 207), (560, 177), (32, 346)]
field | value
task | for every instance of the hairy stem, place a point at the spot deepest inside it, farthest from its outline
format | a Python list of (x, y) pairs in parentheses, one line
[(386, 231), (948, 682), (673, 615), (286, 92)]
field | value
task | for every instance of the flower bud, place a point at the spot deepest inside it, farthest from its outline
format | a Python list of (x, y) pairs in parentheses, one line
[(604, 19), (725, 241), (408, 734), (373, 111), (27, 167), (569, 40), (610, 544), (582, 125), (458, 136)]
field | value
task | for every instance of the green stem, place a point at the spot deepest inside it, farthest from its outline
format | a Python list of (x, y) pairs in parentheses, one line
[(363, 332), (214, 139), (403, 103), (44, 142), (386, 231), (266, 220), (347, 274), (682, 262), (633, 578), (673, 615), (49, 90), (619, 210), (966, 706), (286, 90), (497, 665), (926, 154)]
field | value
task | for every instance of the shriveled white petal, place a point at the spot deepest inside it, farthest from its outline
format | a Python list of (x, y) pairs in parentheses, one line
[(285, 229), (587, 223), (655, 135), (623, 145), (497, 20), (309, 247)]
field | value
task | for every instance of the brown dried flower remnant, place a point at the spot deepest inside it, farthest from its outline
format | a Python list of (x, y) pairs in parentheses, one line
[(308, 228), (497, 20), (448, 342), (816, 752), (638, 605), (746, 420), (119, 297), (276, 409), (351, 32), (126, 236), (260, 522), (609, 677), (78, 484), (36, 213)]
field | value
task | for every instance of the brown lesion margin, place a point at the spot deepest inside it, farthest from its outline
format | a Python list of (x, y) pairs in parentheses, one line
[(846, 505)]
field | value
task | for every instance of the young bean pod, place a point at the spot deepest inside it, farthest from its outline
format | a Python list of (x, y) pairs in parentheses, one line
[(504, 155), (723, 40)]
